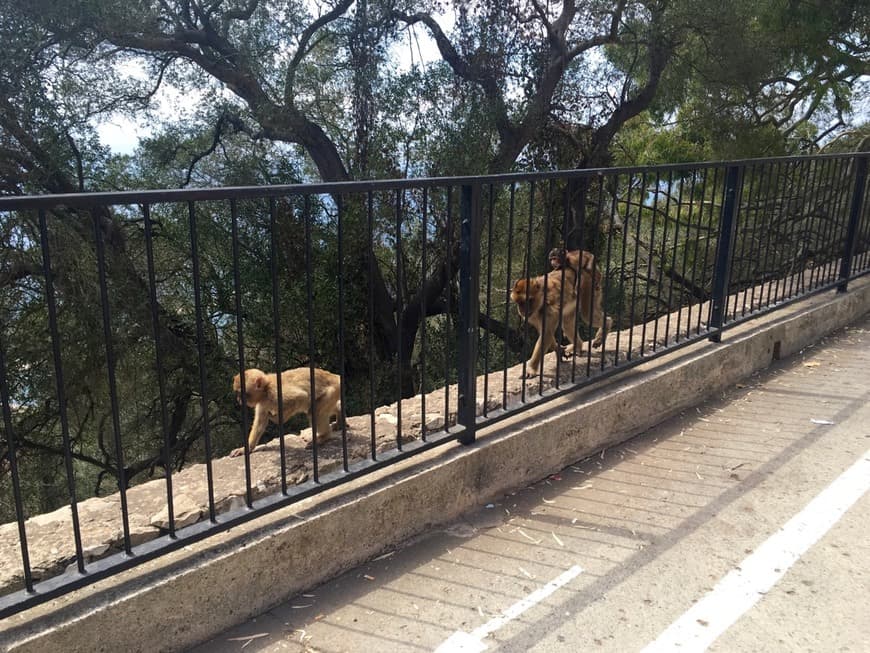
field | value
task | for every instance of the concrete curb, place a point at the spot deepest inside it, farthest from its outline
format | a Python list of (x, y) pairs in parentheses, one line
[(186, 597)]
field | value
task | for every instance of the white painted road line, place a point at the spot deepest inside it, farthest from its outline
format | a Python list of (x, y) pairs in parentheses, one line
[(741, 588), (462, 642)]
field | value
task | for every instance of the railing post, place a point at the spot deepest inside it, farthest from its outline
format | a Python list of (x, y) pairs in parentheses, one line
[(854, 218), (721, 273), (469, 289)]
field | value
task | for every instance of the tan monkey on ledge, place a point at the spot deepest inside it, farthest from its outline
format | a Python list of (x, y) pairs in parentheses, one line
[(545, 302), (589, 290), (261, 394)]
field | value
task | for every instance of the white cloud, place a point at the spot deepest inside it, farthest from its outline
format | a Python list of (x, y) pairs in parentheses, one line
[(121, 134)]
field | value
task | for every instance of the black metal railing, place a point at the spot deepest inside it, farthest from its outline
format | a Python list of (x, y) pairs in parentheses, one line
[(126, 315)]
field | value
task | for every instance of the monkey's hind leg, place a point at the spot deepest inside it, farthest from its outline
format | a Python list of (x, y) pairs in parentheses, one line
[(326, 406), (602, 332), (546, 342), (569, 330)]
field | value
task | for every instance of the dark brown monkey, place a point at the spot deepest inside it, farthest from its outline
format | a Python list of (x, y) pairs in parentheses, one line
[(590, 293), (261, 394), (543, 313)]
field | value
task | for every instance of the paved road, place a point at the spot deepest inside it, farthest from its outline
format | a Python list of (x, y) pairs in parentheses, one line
[(742, 524)]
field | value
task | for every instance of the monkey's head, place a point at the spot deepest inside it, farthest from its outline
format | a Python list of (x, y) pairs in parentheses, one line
[(255, 387), (528, 296), (557, 257)]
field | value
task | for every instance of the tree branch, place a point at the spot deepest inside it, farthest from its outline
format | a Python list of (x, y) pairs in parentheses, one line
[(303, 49)]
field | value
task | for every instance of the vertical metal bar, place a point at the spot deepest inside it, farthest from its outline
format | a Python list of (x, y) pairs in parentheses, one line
[(771, 257), (759, 234), (684, 268), (13, 469), (548, 228), (739, 244), (863, 222), (727, 223), (527, 273), (469, 287), (423, 311), (696, 250), (837, 223), (577, 227), (400, 310), (622, 278), (488, 297), (747, 248), (790, 283), (784, 201), (309, 314), (200, 350), (158, 356), (507, 292), (632, 314), (823, 197), (371, 329), (341, 354), (810, 194), (753, 209), (276, 334), (604, 271), (852, 227), (448, 308), (787, 232), (764, 243), (566, 228), (113, 388), (61, 390), (240, 345), (674, 266), (707, 247), (548, 239), (569, 228), (606, 286), (652, 239), (839, 220), (663, 259)]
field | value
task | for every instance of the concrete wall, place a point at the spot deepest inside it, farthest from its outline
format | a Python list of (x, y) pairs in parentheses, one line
[(192, 594)]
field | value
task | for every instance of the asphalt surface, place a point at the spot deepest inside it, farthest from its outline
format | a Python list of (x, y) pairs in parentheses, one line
[(612, 553)]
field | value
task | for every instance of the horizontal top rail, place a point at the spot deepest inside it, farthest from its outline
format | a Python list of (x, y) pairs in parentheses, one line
[(85, 199)]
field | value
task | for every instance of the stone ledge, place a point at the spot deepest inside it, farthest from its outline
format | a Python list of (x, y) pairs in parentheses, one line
[(189, 595)]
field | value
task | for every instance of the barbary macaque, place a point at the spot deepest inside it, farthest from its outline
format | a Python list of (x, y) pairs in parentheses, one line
[(576, 259), (543, 313), (590, 293), (261, 394)]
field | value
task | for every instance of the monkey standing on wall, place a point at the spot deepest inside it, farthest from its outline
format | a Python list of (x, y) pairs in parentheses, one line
[(546, 312), (261, 394), (589, 290)]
